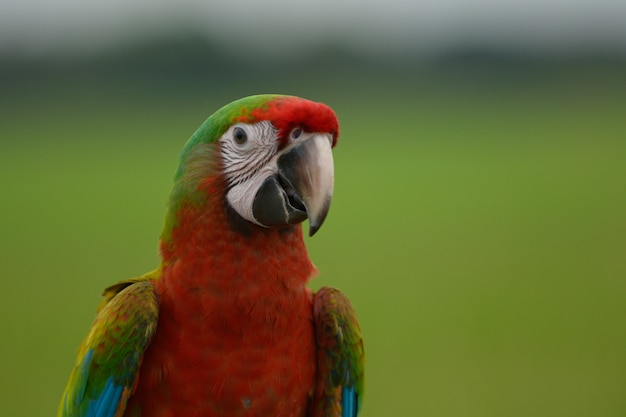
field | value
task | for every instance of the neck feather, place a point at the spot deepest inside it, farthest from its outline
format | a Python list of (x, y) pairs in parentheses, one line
[(208, 245)]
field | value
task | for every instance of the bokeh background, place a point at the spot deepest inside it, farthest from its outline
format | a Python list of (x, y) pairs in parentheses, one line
[(479, 219)]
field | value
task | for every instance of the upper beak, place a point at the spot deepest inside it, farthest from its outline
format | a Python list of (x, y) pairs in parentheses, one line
[(308, 168), (302, 186)]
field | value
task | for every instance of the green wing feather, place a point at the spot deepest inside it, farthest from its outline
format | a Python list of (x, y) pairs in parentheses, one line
[(108, 361), (341, 360)]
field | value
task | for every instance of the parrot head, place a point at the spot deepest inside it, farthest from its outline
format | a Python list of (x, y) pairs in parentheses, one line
[(266, 160)]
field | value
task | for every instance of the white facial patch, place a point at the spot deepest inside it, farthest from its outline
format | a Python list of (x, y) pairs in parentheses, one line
[(248, 164)]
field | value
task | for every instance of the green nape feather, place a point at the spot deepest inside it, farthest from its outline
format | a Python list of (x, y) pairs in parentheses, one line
[(109, 358)]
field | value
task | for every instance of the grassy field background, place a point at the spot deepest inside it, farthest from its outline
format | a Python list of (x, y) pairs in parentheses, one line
[(479, 231)]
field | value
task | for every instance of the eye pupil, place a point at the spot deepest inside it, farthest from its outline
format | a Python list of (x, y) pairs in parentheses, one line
[(240, 136), (295, 134)]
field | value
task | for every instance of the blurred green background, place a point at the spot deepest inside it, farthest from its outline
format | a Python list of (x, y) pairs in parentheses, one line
[(478, 224)]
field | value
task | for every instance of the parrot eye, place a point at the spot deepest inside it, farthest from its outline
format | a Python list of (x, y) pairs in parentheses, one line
[(240, 136), (296, 133)]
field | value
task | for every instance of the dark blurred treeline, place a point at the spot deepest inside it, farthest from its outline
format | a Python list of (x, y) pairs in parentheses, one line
[(192, 63)]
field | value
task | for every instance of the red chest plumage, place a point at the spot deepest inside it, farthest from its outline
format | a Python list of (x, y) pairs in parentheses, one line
[(235, 334), (226, 362)]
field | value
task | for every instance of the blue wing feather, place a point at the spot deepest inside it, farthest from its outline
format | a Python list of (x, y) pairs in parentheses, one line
[(348, 402), (106, 404)]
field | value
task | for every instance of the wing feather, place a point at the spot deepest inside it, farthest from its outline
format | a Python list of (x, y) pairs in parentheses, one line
[(339, 390), (109, 358)]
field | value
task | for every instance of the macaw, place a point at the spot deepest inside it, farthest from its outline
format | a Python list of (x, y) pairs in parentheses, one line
[(225, 325)]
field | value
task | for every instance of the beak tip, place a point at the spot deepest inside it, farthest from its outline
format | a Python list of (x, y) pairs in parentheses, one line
[(318, 214)]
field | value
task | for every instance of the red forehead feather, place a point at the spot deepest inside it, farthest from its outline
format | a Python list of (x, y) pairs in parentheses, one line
[(287, 113)]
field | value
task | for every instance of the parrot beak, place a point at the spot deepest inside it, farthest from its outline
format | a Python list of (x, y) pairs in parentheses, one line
[(302, 187), (308, 169)]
